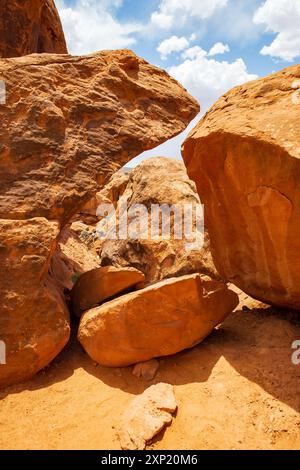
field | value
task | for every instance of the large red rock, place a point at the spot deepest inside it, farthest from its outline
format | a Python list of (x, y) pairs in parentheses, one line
[(34, 320), (244, 156), (70, 122), (30, 26), (159, 320)]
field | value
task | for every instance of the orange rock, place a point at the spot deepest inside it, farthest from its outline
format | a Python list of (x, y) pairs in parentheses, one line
[(70, 122), (159, 320), (34, 320), (71, 259), (30, 26), (158, 181), (100, 284), (147, 415), (244, 156)]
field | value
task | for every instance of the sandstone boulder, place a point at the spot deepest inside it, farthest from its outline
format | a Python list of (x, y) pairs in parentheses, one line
[(244, 156), (147, 415), (159, 320), (34, 320), (100, 284), (30, 26), (159, 182), (70, 122)]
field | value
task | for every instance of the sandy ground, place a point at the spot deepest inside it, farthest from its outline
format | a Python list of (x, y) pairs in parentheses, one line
[(237, 390)]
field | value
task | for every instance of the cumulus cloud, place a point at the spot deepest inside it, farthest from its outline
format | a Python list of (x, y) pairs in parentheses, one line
[(172, 12), (206, 79), (281, 17), (172, 44), (219, 48), (90, 26)]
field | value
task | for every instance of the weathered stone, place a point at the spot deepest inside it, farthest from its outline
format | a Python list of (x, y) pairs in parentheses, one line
[(147, 415), (34, 320), (159, 320), (30, 26), (245, 158), (100, 284), (70, 122)]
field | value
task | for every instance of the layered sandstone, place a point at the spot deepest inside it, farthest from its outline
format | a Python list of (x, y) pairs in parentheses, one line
[(244, 157)]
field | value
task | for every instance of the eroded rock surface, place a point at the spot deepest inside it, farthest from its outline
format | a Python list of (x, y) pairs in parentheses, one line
[(34, 319), (30, 26), (70, 122)]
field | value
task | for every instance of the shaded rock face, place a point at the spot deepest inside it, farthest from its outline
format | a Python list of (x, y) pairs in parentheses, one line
[(70, 122), (34, 320), (160, 320), (244, 156), (158, 181), (71, 259), (67, 125), (147, 415), (30, 26)]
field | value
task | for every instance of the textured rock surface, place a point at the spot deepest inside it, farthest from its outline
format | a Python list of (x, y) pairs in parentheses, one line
[(159, 181), (159, 320), (147, 415), (244, 156), (100, 284), (70, 122), (71, 259), (30, 26), (33, 316)]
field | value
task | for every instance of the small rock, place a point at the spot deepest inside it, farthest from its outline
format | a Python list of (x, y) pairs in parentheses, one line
[(147, 415), (146, 370)]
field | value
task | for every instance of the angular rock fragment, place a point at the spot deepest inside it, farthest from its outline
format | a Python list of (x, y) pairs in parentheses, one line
[(147, 415)]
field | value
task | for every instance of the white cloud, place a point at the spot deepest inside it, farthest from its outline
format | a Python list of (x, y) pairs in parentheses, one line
[(206, 79), (90, 26), (176, 12), (219, 48), (172, 44), (282, 17)]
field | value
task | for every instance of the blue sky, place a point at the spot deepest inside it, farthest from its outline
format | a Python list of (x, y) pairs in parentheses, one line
[(208, 45)]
